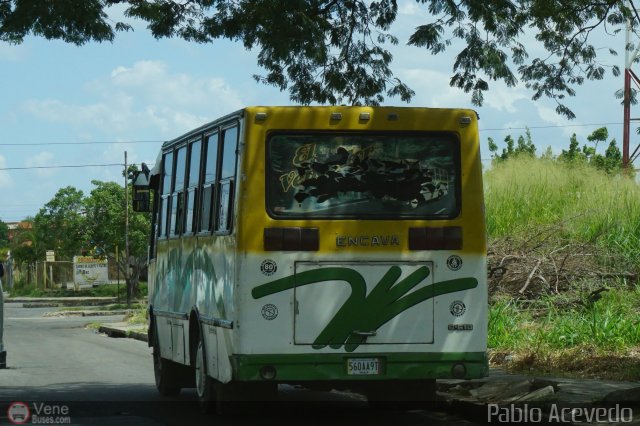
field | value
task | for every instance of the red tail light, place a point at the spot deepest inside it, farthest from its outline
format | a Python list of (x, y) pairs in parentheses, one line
[(291, 239), (440, 238)]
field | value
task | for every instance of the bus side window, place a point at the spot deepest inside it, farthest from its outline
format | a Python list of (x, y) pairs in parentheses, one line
[(225, 185), (177, 196), (167, 174), (192, 184), (210, 173)]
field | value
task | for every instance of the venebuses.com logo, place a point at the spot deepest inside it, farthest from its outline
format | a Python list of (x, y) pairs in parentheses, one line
[(19, 413)]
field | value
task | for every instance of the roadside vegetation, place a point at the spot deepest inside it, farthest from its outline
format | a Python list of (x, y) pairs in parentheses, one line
[(22, 289), (564, 258), (73, 223), (138, 316), (110, 307)]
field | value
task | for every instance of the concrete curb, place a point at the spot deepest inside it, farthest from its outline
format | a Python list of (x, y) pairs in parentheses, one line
[(56, 302), (119, 332), (71, 299), (86, 313)]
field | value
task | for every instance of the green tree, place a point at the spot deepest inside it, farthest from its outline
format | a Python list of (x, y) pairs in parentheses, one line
[(613, 158), (573, 154), (330, 51), (4, 234), (524, 146), (60, 225), (106, 229), (24, 244), (610, 162)]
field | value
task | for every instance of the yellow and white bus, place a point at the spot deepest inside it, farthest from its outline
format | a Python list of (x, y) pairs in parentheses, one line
[(324, 246)]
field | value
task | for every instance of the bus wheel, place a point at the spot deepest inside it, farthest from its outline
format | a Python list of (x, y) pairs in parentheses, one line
[(204, 384), (165, 372)]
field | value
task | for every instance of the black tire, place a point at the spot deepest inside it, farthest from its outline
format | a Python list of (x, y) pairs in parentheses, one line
[(166, 372), (205, 385)]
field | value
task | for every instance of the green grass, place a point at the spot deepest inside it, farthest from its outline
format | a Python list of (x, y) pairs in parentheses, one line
[(566, 333), (599, 339), (609, 323), (137, 317), (525, 193)]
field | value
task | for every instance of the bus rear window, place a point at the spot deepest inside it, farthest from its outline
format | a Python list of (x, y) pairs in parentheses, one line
[(363, 175)]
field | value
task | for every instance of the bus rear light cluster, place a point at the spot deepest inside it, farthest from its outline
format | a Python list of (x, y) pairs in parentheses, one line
[(291, 239), (435, 238)]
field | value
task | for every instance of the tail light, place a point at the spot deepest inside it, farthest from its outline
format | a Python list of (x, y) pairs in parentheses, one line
[(291, 239), (435, 238)]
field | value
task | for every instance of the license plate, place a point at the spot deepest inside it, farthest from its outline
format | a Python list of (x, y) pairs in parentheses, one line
[(363, 366)]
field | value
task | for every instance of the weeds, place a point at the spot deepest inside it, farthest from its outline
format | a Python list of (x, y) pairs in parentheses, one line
[(137, 317), (564, 261)]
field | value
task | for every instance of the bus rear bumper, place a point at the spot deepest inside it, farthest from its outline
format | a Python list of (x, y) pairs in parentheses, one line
[(334, 367)]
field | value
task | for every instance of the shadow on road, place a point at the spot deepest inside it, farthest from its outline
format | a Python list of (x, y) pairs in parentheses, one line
[(90, 403)]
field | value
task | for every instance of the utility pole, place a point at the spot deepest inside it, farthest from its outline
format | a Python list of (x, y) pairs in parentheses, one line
[(127, 273), (630, 57)]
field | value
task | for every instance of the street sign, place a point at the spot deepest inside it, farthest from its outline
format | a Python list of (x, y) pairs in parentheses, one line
[(89, 271), (51, 256)]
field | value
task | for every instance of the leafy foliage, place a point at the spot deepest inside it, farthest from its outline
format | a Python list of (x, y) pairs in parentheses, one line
[(24, 246), (321, 51), (610, 161), (60, 224), (4, 234), (334, 52), (72, 21), (72, 224), (105, 228), (524, 146)]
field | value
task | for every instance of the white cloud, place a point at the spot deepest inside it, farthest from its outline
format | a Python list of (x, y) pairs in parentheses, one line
[(5, 177), (501, 97), (432, 88), (550, 115), (146, 96), (42, 159), (409, 7)]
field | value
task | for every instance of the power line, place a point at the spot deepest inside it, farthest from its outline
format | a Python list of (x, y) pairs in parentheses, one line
[(70, 166), (77, 143), (552, 126)]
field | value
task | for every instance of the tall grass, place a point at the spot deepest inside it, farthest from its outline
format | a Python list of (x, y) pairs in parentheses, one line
[(524, 192), (568, 331)]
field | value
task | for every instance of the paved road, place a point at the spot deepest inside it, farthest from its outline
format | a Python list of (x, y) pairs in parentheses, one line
[(106, 381)]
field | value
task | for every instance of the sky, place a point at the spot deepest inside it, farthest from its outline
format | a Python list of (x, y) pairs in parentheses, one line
[(64, 105)]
